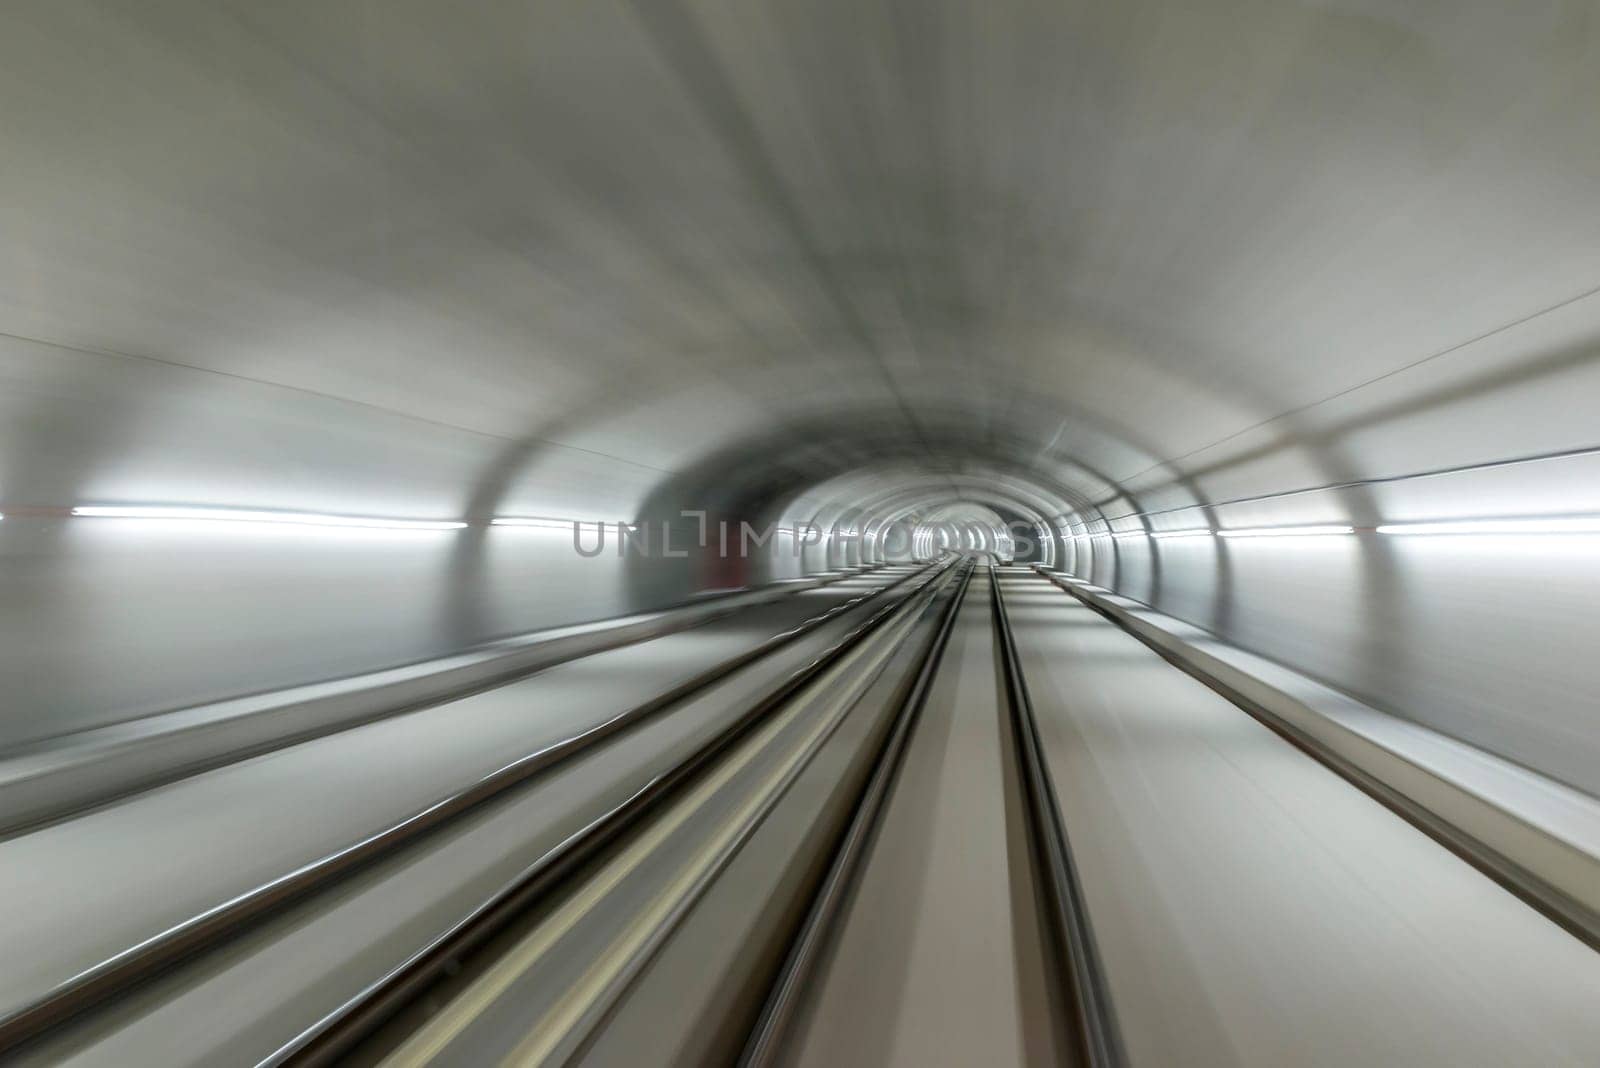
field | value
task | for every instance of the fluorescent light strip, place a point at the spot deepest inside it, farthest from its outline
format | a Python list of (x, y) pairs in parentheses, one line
[(1198, 533), (236, 515), (1574, 525), (545, 524), (1285, 532), (1125, 534)]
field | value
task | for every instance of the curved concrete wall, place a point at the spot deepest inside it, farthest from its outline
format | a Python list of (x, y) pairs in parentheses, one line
[(1231, 265)]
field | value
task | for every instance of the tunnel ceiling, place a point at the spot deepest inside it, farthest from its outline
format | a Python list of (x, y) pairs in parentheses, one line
[(1135, 248)]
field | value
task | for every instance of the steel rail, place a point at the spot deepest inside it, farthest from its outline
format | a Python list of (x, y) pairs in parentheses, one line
[(197, 933), (850, 850), (336, 1033), (1094, 1018)]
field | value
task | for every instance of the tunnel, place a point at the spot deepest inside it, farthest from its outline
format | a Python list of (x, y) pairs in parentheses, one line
[(829, 532)]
